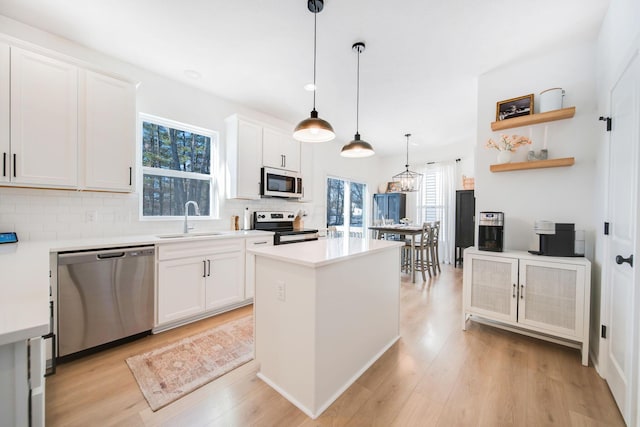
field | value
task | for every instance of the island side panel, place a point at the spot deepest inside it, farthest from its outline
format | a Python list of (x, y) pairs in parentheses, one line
[(358, 305), (284, 332)]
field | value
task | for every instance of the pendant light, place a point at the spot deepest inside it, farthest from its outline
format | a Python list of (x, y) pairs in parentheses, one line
[(314, 129), (409, 181), (357, 147)]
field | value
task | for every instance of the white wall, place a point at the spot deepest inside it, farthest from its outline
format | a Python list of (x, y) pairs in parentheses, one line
[(559, 194), (52, 214)]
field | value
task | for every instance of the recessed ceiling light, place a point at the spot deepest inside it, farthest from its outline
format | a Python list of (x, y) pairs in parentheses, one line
[(310, 87), (192, 74)]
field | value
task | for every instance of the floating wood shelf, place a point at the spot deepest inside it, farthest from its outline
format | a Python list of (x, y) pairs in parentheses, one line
[(533, 119), (534, 164)]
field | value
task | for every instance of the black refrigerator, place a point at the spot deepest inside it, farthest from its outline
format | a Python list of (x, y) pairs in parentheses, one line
[(465, 224), (390, 206)]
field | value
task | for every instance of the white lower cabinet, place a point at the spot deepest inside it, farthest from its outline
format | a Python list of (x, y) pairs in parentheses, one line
[(225, 279), (198, 277), (541, 296), (22, 388), (181, 289)]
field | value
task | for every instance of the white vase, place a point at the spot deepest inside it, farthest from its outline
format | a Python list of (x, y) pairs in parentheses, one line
[(504, 156)]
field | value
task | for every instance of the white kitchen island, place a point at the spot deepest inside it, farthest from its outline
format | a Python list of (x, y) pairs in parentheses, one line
[(325, 311)]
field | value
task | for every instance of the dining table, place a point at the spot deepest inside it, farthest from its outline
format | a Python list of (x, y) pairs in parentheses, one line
[(412, 230)]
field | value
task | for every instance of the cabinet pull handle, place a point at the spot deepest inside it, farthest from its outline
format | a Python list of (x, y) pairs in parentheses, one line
[(14, 165), (209, 267), (204, 268), (284, 162), (264, 242), (522, 291), (130, 174), (514, 290), (4, 164)]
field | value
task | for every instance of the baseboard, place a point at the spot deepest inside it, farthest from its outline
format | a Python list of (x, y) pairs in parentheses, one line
[(182, 322)]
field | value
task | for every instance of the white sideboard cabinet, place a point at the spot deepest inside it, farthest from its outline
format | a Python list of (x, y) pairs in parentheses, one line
[(545, 297)]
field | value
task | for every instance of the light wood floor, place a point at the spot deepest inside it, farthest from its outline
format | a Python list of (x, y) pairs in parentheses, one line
[(436, 375)]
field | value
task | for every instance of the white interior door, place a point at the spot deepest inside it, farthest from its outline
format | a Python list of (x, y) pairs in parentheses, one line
[(622, 290)]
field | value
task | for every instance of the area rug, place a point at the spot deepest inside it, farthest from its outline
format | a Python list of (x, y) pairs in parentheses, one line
[(168, 373)]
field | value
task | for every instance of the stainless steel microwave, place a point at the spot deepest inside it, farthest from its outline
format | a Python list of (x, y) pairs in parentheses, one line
[(280, 183)]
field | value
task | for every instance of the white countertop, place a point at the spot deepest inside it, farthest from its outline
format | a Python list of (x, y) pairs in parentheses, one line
[(526, 255), (111, 242), (324, 251), (24, 276)]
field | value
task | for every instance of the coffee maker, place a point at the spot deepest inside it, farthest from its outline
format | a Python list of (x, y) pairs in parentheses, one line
[(491, 231), (558, 239)]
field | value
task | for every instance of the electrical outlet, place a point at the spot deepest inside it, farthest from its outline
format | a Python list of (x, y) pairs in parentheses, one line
[(281, 291), (92, 216)]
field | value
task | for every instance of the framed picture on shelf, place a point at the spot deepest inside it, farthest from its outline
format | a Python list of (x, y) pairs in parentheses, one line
[(393, 187), (514, 107)]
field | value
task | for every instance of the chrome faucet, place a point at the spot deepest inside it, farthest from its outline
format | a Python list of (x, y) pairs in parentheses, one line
[(186, 214)]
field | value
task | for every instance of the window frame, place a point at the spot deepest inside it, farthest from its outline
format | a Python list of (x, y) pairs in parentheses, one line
[(213, 179)]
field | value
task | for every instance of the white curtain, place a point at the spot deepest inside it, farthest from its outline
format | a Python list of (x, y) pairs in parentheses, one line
[(437, 202)]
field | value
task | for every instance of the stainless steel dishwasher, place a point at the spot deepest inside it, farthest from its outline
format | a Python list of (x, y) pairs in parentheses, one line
[(104, 296)]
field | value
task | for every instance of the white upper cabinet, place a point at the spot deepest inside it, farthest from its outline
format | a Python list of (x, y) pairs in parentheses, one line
[(4, 111), (280, 150), (108, 132), (244, 158), (44, 126)]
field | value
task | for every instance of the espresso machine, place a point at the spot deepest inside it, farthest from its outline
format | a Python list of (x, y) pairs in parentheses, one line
[(559, 239)]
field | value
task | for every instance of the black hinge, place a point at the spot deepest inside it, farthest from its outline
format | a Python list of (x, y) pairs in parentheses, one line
[(606, 228), (608, 120), (603, 331)]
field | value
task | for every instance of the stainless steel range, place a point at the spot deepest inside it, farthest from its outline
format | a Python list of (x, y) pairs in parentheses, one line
[(281, 223)]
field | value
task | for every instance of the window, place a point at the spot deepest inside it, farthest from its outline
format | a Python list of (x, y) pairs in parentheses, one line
[(177, 167), (346, 196), (430, 201)]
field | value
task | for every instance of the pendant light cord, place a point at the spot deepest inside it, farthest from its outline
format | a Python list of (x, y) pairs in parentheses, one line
[(315, 26), (407, 165), (358, 95)]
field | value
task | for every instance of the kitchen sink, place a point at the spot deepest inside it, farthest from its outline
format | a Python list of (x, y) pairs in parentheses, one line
[(196, 234)]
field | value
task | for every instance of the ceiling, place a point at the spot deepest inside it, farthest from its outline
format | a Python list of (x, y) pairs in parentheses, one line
[(417, 73)]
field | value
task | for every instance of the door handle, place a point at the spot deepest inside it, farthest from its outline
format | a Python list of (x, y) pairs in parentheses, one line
[(208, 267), (204, 268), (620, 260)]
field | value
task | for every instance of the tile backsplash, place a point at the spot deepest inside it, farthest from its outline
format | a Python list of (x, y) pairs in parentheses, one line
[(37, 214)]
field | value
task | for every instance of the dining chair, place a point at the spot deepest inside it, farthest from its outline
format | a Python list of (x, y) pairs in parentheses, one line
[(420, 253), (434, 247)]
